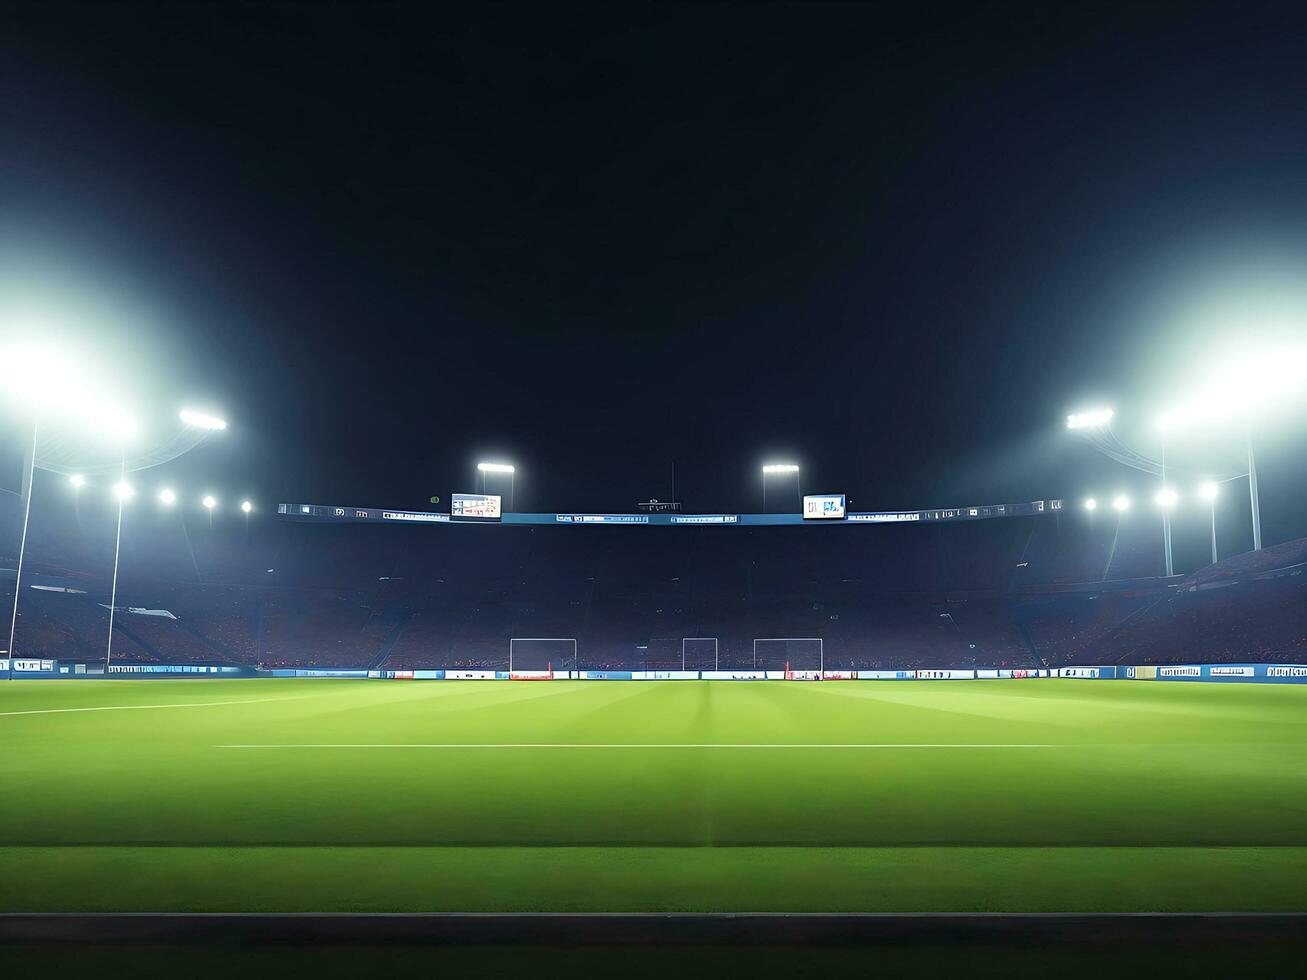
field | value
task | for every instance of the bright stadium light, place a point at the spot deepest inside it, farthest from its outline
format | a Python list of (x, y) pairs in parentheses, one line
[(209, 501), (123, 490), (77, 480), (246, 506), (167, 497), (1091, 504), (202, 420), (496, 467), (1209, 490), (1090, 420), (1166, 497), (770, 468), (1121, 504)]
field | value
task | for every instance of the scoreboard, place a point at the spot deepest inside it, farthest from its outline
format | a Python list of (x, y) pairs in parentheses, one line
[(476, 506), (823, 507)]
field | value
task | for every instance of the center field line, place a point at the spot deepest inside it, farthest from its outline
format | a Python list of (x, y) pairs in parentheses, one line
[(647, 745), (141, 707)]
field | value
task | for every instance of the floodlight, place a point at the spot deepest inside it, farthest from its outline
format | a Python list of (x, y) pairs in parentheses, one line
[(200, 420), (1096, 419), (246, 506), (1166, 497), (45, 380), (1121, 503), (77, 480), (167, 497), (209, 501), (780, 468), (1209, 490), (123, 490), (1091, 504), (495, 467)]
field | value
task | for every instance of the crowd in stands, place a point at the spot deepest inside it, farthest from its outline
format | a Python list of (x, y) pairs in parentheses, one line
[(1002, 593)]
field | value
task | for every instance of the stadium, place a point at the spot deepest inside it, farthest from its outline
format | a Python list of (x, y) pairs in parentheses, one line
[(771, 490)]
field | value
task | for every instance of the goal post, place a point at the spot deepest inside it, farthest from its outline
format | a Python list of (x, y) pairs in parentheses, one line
[(541, 653), (695, 649), (804, 653)]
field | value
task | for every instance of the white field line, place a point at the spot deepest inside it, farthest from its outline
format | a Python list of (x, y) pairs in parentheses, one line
[(144, 707), (647, 745)]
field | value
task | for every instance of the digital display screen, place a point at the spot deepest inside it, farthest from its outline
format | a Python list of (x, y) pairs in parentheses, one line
[(824, 506), (477, 506)]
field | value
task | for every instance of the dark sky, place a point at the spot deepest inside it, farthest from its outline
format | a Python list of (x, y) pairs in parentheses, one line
[(895, 242)]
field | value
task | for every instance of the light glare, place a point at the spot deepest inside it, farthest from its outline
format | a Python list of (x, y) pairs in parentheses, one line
[(246, 506), (1166, 497), (1091, 504), (77, 480), (495, 467), (780, 468), (167, 497), (201, 420), (1090, 420), (123, 490), (210, 501), (1209, 490), (1121, 503)]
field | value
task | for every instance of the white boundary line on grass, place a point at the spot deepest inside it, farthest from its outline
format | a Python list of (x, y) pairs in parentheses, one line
[(141, 707), (646, 745)]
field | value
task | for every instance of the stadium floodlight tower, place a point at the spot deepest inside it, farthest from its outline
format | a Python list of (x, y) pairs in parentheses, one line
[(780, 469), (505, 469), (45, 384)]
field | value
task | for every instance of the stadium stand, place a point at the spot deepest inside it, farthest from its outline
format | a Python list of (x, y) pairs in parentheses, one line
[(1014, 593)]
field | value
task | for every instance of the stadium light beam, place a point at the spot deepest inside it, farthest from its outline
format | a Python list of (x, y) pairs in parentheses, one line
[(167, 497), (780, 469), (1091, 505), (1121, 504), (77, 480), (1209, 491), (123, 491), (1166, 498), (246, 506), (507, 469), (202, 420)]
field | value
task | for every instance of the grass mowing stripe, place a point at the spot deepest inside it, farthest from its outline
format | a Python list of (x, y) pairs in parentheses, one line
[(648, 745), (143, 707), (642, 879)]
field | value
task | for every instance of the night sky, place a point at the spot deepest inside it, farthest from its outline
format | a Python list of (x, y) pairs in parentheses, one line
[(896, 243)]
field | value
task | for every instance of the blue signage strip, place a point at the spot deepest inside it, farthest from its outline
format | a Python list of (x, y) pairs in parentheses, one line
[(324, 513)]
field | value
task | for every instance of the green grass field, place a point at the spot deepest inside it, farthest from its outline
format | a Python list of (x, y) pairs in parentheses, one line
[(310, 795)]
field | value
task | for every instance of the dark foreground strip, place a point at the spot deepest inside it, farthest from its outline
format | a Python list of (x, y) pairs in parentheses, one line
[(645, 929)]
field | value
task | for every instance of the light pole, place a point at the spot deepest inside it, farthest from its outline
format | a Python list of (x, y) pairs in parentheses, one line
[(123, 491), (1166, 499), (777, 469), (1120, 504), (22, 546), (1209, 492), (1252, 495)]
